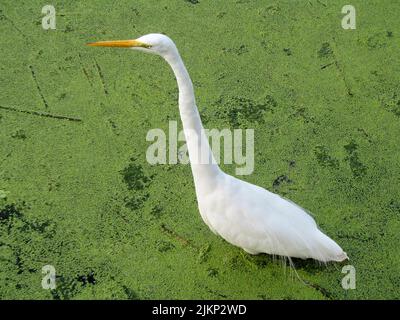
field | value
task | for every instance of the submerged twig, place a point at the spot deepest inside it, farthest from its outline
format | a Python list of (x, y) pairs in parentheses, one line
[(327, 65), (41, 114), (38, 87), (101, 77), (176, 236), (320, 289), (341, 71), (84, 70)]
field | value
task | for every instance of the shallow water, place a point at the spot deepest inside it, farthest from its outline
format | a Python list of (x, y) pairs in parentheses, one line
[(324, 104)]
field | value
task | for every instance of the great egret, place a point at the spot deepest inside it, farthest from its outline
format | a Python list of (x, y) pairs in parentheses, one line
[(243, 214)]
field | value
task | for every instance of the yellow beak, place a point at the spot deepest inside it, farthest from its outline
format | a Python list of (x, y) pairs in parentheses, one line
[(119, 44)]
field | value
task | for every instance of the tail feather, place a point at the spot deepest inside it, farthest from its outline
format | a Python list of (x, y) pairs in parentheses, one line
[(328, 250)]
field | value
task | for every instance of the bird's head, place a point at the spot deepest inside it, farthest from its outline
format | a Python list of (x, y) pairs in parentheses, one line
[(151, 43)]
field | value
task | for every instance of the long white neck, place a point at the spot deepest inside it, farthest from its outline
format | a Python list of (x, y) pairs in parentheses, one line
[(204, 167)]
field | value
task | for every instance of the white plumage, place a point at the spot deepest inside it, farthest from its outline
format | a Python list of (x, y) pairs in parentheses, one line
[(243, 214)]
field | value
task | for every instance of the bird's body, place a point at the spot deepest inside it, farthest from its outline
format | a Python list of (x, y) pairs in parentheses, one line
[(260, 221), (243, 214)]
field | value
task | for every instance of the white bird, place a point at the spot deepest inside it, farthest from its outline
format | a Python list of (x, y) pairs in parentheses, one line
[(245, 215)]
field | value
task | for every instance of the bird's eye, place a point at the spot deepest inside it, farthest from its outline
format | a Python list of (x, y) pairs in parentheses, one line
[(147, 46)]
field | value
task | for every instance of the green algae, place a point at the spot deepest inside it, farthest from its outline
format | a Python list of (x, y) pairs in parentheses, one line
[(81, 196)]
